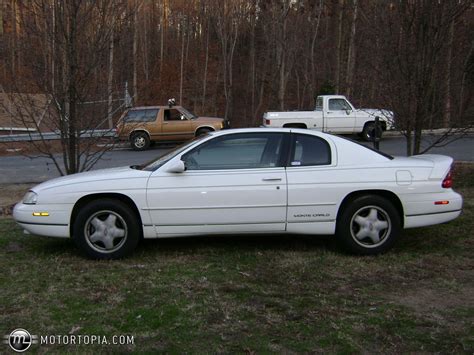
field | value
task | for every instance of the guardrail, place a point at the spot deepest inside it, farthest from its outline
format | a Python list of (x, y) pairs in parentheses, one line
[(25, 137)]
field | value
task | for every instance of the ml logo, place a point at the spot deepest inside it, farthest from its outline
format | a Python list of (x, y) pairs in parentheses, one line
[(20, 340)]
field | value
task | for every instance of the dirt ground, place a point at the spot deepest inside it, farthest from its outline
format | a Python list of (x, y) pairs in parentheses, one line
[(11, 194)]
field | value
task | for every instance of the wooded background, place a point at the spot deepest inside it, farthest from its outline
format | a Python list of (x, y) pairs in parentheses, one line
[(239, 58)]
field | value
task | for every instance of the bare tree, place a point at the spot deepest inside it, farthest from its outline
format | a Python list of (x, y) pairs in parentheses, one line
[(62, 55), (416, 34), (228, 20)]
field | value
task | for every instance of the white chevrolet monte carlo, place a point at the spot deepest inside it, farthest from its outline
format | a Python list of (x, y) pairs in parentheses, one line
[(259, 180)]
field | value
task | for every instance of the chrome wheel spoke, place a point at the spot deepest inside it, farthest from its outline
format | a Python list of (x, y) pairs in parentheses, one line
[(108, 242), (97, 223), (118, 233), (110, 221), (380, 225), (374, 236), (96, 237), (362, 233), (361, 221), (373, 215)]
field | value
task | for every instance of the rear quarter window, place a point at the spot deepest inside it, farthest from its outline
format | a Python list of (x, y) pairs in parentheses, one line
[(309, 151), (141, 115)]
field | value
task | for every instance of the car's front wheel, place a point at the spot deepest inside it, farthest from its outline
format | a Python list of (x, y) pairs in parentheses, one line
[(368, 225), (106, 229)]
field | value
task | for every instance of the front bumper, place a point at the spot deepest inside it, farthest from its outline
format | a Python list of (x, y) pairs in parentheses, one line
[(55, 224)]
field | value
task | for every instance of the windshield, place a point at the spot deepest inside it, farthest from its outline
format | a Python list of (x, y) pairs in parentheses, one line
[(188, 114), (156, 163)]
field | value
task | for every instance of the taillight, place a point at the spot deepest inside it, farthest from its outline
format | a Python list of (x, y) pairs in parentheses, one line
[(448, 180), (267, 122)]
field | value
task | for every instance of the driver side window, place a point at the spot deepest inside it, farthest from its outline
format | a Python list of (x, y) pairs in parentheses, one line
[(236, 151), (338, 105), (173, 115)]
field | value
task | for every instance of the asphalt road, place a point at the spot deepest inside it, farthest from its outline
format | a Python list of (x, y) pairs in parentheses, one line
[(20, 169)]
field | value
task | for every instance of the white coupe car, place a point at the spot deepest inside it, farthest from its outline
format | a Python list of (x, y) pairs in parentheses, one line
[(247, 181)]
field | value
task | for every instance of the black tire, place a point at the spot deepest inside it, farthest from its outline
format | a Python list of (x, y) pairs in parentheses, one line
[(140, 141), (202, 131), (369, 132), (362, 221), (102, 246)]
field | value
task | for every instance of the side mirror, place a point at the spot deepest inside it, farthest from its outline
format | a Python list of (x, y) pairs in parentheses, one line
[(348, 112), (176, 167)]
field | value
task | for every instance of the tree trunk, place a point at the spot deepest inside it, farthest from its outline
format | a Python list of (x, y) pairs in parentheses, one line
[(71, 56), (206, 62), (181, 74), (351, 54), (470, 53), (313, 62), (162, 34), (111, 78), (145, 47), (135, 52), (447, 78), (337, 75)]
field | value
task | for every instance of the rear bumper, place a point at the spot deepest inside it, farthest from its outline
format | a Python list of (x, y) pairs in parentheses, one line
[(430, 219), (421, 209)]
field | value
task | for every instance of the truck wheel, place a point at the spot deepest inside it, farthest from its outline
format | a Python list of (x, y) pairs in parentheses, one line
[(203, 131), (140, 141), (106, 229), (370, 132), (368, 225)]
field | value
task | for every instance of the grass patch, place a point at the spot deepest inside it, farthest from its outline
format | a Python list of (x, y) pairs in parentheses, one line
[(248, 293)]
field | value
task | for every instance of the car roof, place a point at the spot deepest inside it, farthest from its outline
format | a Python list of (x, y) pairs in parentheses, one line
[(352, 151)]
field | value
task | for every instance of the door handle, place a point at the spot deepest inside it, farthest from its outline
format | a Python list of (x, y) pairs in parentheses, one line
[(271, 179)]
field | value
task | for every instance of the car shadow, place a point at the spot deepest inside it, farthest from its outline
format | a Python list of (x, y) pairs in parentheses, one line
[(243, 243)]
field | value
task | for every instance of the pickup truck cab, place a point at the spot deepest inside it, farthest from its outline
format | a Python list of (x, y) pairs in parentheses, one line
[(143, 125), (333, 114)]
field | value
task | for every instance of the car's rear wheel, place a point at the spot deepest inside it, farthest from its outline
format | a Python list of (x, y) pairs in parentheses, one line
[(106, 229), (140, 141), (368, 225)]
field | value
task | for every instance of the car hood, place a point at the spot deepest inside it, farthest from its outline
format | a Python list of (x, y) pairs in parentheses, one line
[(124, 172)]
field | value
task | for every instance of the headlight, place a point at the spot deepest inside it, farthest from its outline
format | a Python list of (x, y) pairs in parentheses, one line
[(30, 198)]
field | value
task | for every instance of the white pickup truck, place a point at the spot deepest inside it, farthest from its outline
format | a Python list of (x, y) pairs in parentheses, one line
[(333, 114)]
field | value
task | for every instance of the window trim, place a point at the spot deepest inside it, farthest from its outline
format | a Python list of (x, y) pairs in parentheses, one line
[(280, 161)]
